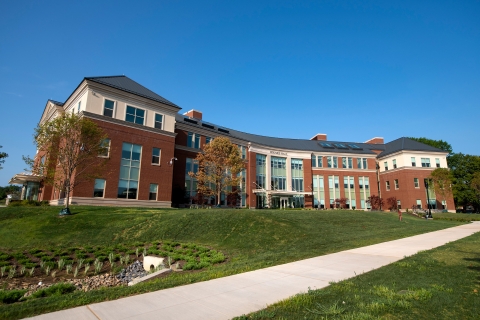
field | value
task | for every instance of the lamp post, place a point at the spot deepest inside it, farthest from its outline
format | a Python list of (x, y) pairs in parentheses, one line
[(428, 200)]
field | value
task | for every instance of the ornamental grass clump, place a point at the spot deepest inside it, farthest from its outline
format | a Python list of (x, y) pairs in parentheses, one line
[(47, 270), (54, 273), (137, 252), (12, 271), (75, 272), (80, 263), (111, 259), (126, 259), (31, 271), (98, 266), (61, 264), (2, 270), (68, 268), (22, 270), (87, 267)]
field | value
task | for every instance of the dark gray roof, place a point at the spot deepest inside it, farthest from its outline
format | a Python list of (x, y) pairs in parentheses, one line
[(407, 144), (283, 143), (126, 84), (56, 102)]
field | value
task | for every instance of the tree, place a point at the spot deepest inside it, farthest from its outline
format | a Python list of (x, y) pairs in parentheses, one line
[(475, 184), (69, 147), (218, 168), (8, 190), (392, 203), (463, 168), (440, 144), (442, 182), (341, 203), (375, 202), (3, 155)]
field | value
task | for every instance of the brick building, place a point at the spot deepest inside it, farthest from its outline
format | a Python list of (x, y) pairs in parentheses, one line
[(152, 148)]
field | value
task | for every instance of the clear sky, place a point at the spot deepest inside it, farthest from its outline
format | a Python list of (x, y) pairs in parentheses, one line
[(276, 68)]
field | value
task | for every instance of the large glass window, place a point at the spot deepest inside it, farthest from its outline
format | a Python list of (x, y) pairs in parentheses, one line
[(99, 188), (243, 151), (362, 163), (193, 140), (349, 188), (191, 183), (108, 106), (153, 191), (261, 171), (158, 121), (317, 161), (129, 171), (334, 189), (279, 173), (332, 162), (297, 174), (156, 156), (347, 162), (135, 115), (319, 192)]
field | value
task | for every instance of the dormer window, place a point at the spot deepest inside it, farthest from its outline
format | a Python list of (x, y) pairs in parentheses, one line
[(135, 115), (108, 106)]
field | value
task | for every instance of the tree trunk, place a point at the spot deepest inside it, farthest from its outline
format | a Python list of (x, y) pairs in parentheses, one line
[(219, 194), (67, 196)]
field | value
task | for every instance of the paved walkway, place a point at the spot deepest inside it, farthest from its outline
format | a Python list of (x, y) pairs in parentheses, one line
[(225, 298)]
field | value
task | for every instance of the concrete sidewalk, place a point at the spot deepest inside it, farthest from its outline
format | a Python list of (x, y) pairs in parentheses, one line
[(225, 298)]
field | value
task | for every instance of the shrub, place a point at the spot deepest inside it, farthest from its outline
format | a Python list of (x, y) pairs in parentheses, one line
[(55, 290), (11, 296)]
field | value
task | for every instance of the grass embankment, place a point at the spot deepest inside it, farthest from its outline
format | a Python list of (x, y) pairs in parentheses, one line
[(251, 239), (442, 283)]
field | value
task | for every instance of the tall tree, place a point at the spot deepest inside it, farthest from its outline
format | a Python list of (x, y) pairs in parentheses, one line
[(463, 168), (69, 147), (3, 155), (442, 182), (440, 144), (475, 184), (218, 168)]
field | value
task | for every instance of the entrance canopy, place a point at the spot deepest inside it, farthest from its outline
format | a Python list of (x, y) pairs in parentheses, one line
[(24, 177)]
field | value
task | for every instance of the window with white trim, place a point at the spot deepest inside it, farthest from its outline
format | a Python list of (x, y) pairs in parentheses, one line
[(362, 163), (396, 184), (153, 191), (105, 153), (156, 156), (425, 162), (414, 162), (437, 162), (394, 163), (385, 164), (415, 183), (135, 115), (99, 188), (193, 140), (129, 171), (79, 106), (108, 107), (158, 121), (387, 185)]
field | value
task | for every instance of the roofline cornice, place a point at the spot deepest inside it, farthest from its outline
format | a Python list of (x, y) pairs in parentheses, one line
[(411, 151)]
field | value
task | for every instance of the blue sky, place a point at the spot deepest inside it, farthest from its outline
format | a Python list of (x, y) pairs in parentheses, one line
[(276, 68)]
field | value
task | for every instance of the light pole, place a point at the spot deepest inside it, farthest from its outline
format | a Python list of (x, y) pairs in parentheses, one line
[(428, 200)]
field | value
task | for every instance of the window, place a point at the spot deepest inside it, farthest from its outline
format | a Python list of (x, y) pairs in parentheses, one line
[(129, 171), (385, 165), (207, 140), (279, 173), (158, 121), (425, 162), (78, 106), (437, 162), (108, 106), (105, 148), (419, 204), (332, 162), (317, 161), (261, 170), (243, 151), (347, 162), (396, 184), (153, 191), (193, 140), (362, 163), (297, 174), (394, 163), (156, 156), (399, 205), (191, 165), (135, 115), (99, 188), (387, 185), (415, 183), (414, 163)]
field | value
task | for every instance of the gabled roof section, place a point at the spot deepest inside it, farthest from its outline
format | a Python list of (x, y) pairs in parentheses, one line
[(128, 85), (407, 144), (56, 102)]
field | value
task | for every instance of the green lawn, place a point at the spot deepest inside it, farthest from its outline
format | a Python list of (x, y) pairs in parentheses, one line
[(443, 283), (250, 239)]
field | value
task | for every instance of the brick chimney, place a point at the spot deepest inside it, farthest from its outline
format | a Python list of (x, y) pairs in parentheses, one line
[(376, 140), (193, 114), (319, 136)]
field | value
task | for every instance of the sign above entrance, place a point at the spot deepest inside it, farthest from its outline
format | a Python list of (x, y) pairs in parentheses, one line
[(279, 153), (285, 153)]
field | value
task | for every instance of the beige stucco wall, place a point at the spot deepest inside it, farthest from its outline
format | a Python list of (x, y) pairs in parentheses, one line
[(404, 160), (95, 101)]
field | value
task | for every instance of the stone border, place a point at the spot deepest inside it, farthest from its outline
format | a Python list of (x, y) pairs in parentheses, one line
[(138, 280)]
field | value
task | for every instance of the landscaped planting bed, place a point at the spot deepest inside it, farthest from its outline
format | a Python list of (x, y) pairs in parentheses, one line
[(24, 270)]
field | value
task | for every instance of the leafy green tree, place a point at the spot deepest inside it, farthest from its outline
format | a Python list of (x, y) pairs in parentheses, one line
[(70, 144), (442, 182), (8, 190), (463, 169), (440, 144), (475, 184), (218, 168), (3, 155)]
